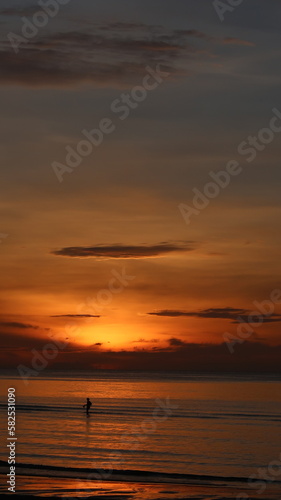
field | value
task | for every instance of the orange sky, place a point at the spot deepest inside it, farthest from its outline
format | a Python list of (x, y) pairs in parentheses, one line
[(64, 243)]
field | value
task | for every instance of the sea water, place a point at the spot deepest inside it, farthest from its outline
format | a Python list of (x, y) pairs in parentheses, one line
[(206, 425)]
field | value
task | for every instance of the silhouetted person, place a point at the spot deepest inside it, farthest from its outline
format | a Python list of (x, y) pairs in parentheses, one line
[(88, 406)]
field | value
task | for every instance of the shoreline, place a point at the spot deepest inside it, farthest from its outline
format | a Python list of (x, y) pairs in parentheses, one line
[(39, 487), (125, 475), (37, 481)]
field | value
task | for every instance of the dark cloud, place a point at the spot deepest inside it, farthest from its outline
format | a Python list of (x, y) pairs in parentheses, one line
[(225, 313), (110, 55), (118, 251), (256, 318), (174, 342), (238, 315), (144, 341), (24, 344), (103, 57), (177, 356), (75, 316), (15, 324), (169, 313)]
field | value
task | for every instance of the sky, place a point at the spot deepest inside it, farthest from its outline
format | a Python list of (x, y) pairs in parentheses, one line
[(120, 247)]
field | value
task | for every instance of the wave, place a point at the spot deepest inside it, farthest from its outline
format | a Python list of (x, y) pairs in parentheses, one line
[(141, 411), (124, 475)]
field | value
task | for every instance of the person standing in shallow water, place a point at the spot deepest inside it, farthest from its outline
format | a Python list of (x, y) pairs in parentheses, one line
[(88, 406)]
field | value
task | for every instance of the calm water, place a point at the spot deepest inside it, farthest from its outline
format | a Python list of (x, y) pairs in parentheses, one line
[(225, 428)]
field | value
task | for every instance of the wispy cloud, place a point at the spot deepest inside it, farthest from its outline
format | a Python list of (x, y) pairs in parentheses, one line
[(18, 11), (145, 341), (230, 313), (225, 313), (273, 318), (108, 55), (237, 41), (74, 316), (118, 251), (15, 324)]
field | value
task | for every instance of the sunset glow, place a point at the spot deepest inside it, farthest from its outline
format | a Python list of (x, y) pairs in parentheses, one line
[(139, 212)]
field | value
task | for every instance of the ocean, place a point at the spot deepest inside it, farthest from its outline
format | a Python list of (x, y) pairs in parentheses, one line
[(204, 436), (228, 427)]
